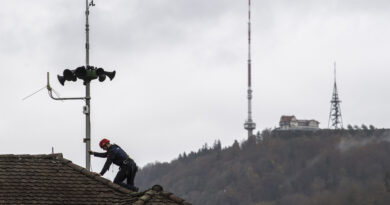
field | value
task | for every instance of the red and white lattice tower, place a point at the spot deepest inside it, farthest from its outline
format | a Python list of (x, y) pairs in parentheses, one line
[(249, 124)]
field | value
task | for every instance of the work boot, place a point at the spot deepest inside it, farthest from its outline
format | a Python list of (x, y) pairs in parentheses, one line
[(132, 188)]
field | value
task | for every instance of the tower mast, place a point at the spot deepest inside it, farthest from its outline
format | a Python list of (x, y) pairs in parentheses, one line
[(87, 108), (335, 118), (249, 124)]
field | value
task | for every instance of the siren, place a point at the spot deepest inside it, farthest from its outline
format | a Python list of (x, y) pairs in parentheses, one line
[(68, 75), (102, 74)]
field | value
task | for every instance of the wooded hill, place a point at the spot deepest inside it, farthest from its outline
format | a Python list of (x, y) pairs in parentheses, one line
[(325, 167)]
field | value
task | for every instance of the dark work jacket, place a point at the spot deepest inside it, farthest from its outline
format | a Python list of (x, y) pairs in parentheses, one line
[(114, 154)]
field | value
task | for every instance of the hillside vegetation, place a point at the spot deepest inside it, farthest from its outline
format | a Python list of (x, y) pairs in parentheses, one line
[(326, 167)]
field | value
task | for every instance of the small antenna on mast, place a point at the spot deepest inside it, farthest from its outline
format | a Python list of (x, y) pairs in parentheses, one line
[(92, 3), (33, 93), (46, 86), (334, 66), (50, 89)]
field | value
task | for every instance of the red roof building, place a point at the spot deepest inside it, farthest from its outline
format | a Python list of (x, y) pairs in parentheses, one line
[(292, 123)]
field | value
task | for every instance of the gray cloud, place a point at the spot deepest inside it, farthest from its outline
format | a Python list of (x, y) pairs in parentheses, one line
[(181, 70)]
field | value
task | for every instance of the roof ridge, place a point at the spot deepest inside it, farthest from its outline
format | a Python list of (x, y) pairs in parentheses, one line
[(159, 190), (42, 156)]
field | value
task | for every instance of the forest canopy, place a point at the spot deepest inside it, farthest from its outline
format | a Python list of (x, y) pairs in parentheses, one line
[(330, 167)]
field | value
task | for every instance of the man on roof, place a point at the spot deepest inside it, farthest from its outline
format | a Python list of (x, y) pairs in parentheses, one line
[(116, 155)]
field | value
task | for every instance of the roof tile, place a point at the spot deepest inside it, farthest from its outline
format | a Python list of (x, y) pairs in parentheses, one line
[(51, 179)]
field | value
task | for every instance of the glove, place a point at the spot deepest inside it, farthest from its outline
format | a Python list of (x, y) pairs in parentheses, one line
[(91, 152)]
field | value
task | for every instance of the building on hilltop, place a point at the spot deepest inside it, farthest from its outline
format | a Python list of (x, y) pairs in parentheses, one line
[(292, 123), (51, 179)]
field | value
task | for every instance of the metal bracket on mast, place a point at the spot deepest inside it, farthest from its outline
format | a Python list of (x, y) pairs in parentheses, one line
[(58, 98)]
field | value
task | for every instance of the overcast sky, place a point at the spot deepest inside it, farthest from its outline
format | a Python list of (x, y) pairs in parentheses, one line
[(181, 71)]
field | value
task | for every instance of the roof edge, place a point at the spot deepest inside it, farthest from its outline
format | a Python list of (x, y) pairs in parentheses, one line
[(96, 177), (59, 157)]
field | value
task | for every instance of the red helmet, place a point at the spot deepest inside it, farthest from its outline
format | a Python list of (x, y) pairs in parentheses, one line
[(103, 142)]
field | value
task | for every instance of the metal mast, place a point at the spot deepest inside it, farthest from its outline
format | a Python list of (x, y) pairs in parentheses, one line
[(249, 124), (87, 108), (335, 118), (86, 73)]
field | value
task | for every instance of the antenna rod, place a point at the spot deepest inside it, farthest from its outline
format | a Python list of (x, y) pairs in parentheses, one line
[(334, 65), (249, 45), (249, 63), (86, 34)]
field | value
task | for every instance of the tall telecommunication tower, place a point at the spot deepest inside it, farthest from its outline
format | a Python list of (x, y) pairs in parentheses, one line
[(249, 124), (335, 118)]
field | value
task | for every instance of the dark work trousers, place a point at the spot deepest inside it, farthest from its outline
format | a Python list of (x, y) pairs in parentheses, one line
[(128, 172)]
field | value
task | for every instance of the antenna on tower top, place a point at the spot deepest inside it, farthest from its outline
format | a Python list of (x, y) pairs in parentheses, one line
[(334, 65), (249, 124), (335, 117)]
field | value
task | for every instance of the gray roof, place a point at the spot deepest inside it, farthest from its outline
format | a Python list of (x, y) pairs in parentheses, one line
[(51, 179)]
